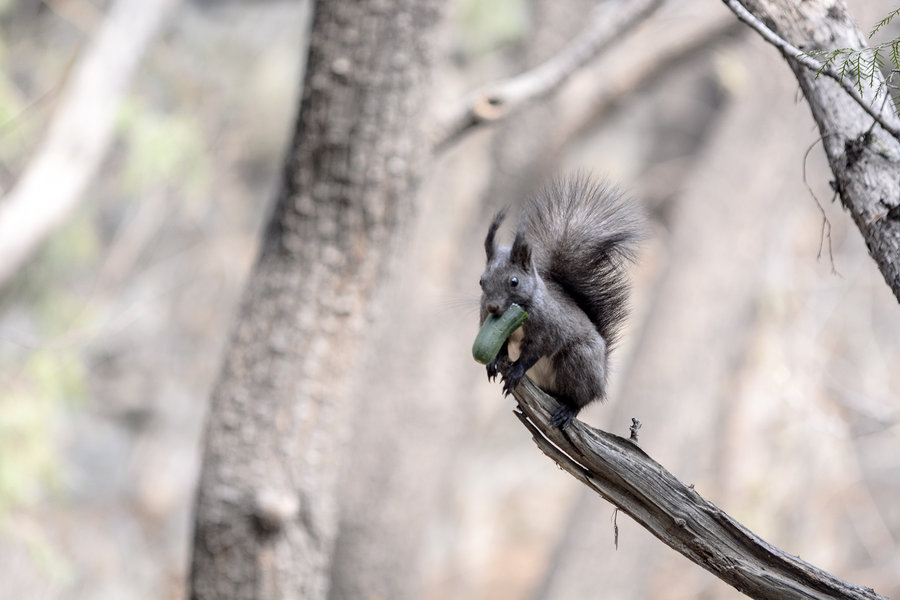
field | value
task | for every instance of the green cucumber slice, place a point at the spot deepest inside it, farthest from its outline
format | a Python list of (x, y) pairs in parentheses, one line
[(494, 332)]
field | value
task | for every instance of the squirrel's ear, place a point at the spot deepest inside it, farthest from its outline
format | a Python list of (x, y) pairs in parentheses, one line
[(520, 254), (490, 247)]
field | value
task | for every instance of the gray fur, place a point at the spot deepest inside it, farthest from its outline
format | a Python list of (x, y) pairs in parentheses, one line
[(566, 268)]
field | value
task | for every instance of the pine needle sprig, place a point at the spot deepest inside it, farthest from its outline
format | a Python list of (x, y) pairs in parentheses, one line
[(860, 66), (884, 22)]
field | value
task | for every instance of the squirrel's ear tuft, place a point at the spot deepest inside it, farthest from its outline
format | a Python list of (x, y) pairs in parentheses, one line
[(490, 246), (520, 254)]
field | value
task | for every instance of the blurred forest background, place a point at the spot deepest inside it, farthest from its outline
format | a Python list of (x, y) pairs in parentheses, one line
[(763, 374)]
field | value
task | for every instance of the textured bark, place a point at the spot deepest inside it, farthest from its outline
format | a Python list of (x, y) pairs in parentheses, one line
[(266, 510), (866, 166), (675, 513)]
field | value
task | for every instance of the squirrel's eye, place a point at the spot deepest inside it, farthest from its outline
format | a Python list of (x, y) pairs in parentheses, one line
[(514, 281)]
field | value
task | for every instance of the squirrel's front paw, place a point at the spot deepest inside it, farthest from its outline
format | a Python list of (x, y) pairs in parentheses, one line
[(497, 366), (512, 377), (493, 369)]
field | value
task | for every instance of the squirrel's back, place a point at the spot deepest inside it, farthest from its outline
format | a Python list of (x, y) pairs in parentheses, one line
[(582, 233)]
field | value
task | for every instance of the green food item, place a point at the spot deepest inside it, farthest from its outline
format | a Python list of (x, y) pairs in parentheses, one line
[(494, 332)]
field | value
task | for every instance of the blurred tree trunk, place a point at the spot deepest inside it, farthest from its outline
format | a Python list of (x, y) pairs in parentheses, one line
[(266, 511)]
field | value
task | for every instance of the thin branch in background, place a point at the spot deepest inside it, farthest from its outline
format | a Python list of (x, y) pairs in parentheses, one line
[(623, 474), (826, 223), (667, 61), (12, 123), (609, 22), (792, 52), (80, 13), (80, 132)]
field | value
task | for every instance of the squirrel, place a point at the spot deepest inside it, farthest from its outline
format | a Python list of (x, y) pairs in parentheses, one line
[(566, 268)]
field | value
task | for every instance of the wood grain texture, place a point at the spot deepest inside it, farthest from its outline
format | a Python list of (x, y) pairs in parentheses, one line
[(675, 513)]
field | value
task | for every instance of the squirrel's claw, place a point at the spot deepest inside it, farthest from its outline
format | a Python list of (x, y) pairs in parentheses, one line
[(497, 366), (493, 369), (512, 377)]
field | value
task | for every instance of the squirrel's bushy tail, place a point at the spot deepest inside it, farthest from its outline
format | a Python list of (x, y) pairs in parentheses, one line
[(582, 233)]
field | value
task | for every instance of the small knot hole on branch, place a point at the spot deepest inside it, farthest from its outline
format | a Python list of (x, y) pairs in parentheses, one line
[(489, 107), (273, 509)]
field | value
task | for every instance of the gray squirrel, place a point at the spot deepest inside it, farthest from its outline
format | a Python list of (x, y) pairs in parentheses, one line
[(566, 268)]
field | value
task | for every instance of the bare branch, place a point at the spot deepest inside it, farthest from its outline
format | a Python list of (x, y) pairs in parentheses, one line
[(792, 52), (675, 513), (825, 235), (609, 22), (79, 133)]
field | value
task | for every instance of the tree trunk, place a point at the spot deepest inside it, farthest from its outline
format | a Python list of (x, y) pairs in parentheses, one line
[(266, 508), (865, 165)]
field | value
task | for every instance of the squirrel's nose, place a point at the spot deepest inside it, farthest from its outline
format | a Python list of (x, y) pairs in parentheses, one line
[(494, 309)]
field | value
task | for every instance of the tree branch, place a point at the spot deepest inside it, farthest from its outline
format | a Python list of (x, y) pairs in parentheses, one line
[(675, 513), (609, 22), (865, 162), (792, 52), (80, 132)]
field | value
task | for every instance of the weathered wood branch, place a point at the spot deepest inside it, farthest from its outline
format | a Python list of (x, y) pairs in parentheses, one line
[(609, 22), (675, 513), (865, 160)]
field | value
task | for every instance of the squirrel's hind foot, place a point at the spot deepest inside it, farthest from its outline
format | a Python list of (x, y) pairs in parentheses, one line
[(563, 416)]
